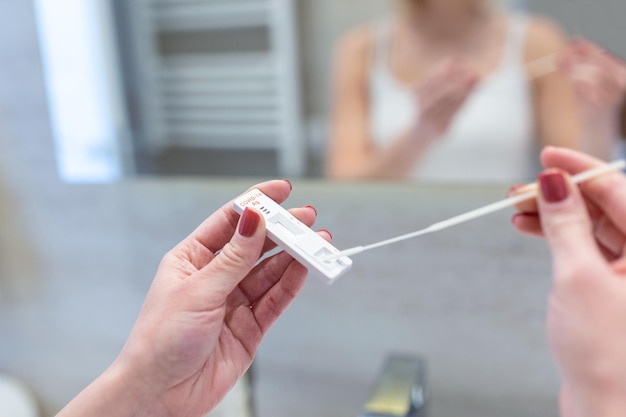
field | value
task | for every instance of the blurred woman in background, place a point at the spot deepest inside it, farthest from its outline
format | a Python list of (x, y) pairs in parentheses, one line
[(449, 90)]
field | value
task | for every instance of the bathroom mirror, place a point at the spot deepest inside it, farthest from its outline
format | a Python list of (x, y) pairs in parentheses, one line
[(243, 88)]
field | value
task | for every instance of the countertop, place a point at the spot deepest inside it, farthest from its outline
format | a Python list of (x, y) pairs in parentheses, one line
[(471, 299)]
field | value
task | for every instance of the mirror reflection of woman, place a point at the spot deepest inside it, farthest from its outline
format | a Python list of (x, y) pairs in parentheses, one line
[(443, 91)]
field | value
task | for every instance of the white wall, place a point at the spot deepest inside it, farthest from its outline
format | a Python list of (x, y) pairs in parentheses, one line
[(601, 21), (84, 92), (322, 23)]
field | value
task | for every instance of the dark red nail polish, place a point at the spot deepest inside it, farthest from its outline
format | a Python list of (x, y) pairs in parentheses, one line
[(249, 222), (289, 182), (513, 190), (312, 208), (553, 187)]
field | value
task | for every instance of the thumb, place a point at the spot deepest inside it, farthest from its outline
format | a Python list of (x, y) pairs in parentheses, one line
[(567, 227), (237, 258)]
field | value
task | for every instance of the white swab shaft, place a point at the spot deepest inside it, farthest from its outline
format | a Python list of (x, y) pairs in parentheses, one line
[(542, 66), (491, 208)]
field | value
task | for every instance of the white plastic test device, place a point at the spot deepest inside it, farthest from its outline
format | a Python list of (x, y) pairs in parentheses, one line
[(294, 237)]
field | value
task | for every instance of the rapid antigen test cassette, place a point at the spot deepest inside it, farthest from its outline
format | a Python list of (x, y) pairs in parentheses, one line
[(294, 237)]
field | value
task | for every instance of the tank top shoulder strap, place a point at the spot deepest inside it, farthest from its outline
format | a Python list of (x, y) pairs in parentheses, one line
[(380, 32), (516, 39)]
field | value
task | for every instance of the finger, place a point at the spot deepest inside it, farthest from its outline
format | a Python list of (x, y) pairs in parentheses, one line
[(614, 79), (610, 68), (588, 47), (217, 230), (250, 330), (596, 80), (274, 303), (583, 57), (237, 258), (527, 206), (607, 254), (619, 266), (567, 57), (528, 224), (443, 68), (452, 100), (530, 206), (569, 402), (429, 86), (567, 228), (268, 308), (449, 100), (446, 83), (199, 256), (265, 276), (568, 160), (605, 192), (444, 114), (589, 97), (609, 236), (610, 241)]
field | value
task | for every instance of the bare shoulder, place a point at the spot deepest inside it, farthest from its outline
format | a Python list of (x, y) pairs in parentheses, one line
[(352, 56), (355, 44), (544, 37)]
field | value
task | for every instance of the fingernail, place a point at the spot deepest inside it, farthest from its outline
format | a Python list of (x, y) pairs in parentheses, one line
[(326, 231), (312, 208), (249, 222), (513, 190), (290, 185), (553, 187)]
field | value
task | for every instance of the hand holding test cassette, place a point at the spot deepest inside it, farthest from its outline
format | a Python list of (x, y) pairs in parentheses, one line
[(294, 237)]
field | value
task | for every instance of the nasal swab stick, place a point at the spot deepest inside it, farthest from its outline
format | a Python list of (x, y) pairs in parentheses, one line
[(509, 202), (548, 64), (542, 66)]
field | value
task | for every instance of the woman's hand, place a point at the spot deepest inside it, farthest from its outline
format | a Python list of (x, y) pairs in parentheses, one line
[(206, 312), (440, 96), (599, 77), (600, 83), (586, 230)]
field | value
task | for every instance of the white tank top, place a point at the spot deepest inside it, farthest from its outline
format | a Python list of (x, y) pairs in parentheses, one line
[(491, 138)]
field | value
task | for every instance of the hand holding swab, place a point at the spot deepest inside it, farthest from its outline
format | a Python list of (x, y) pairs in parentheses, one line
[(509, 202)]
